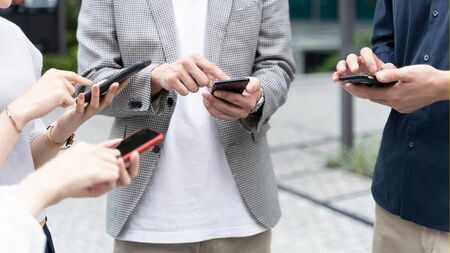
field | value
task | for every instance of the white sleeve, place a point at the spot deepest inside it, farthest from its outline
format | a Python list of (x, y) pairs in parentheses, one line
[(19, 230), (37, 59), (37, 129)]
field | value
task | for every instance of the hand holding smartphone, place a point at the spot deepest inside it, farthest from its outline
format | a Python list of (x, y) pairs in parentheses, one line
[(364, 80), (141, 141), (123, 75)]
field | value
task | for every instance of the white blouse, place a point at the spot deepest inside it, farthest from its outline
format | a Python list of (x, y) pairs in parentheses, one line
[(20, 68), (19, 230)]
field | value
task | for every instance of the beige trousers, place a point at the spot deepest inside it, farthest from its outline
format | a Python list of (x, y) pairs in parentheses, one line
[(259, 243), (395, 235)]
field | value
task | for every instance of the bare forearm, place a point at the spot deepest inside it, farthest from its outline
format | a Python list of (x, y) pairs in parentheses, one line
[(34, 194), (8, 137), (42, 152)]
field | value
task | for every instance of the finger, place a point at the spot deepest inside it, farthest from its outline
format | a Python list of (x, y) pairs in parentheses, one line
[(108, 155), (181, 89), (388, 66), (95, 98), (75, 78), (69, 87), (356, 90), (341, 67), (111, 143), (232, 98), (188, 82), (67, 100), (210, 69), (123, 85), (353, 63), (227, 108), (199, 76), (335, 77), (79, 109), (216, 113), (124, 178), (134, 164), (391, 75), (369, 59), (253, 86), (109, 96)]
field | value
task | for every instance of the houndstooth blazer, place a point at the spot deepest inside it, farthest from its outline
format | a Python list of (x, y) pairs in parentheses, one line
[(245, 38)]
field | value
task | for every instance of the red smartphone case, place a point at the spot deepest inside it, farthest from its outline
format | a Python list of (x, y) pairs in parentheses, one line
[(145, 147)]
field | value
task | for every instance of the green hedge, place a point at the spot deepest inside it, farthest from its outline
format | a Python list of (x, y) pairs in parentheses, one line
[(69, 60)]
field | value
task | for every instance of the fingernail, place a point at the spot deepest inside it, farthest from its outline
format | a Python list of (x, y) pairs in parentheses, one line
[(218, 94)]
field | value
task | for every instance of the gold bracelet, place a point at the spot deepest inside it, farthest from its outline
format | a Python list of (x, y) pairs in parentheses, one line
[(49, 140), (53, 144), (13, 122)]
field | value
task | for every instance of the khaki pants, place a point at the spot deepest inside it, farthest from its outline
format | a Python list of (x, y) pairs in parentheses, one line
[(395, 235), (259, 243)]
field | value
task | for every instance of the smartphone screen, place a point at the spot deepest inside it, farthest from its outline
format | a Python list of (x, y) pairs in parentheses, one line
[(233, 85), (136, 140)]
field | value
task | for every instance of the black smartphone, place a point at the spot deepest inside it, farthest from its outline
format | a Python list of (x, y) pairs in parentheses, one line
[(236, 85), (123, 75), (365, 80), (140, 141)]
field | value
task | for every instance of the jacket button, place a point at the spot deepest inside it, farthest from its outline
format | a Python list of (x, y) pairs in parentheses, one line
[(170, 101), (411, 144), (135, 105), (156, 149), (435, 13)]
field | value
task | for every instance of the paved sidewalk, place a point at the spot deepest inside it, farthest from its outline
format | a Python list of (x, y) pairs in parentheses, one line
[(324, 210)]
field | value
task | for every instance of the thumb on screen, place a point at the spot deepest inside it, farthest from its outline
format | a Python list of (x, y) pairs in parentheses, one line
[(390, 75)]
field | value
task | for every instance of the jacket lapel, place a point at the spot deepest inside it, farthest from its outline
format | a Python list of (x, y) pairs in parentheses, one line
[(218, 16), (162, 11)]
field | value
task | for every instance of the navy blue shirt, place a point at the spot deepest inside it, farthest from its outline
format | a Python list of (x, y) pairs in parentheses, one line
[(412, 172)]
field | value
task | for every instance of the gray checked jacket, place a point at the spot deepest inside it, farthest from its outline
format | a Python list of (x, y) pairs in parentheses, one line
[(245, 38)]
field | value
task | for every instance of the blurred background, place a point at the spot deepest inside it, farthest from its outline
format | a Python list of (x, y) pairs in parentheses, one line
[(324, 144)]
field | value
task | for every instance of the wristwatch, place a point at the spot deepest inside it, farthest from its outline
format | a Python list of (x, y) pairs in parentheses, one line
[(259, 103), (61, 146)]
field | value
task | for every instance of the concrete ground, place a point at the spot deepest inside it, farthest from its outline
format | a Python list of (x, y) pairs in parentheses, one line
[(324, 210)]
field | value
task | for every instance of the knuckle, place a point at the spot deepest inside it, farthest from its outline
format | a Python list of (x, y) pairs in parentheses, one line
[(186, 63), (235, 100), (172, 79)]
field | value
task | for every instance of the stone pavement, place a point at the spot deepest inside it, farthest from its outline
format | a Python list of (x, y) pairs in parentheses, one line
[(324, 210)]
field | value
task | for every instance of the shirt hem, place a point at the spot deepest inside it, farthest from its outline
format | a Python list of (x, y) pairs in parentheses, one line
[(190, 236)]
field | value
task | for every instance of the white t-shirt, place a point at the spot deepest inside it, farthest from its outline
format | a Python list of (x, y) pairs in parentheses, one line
[(193, 196)]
